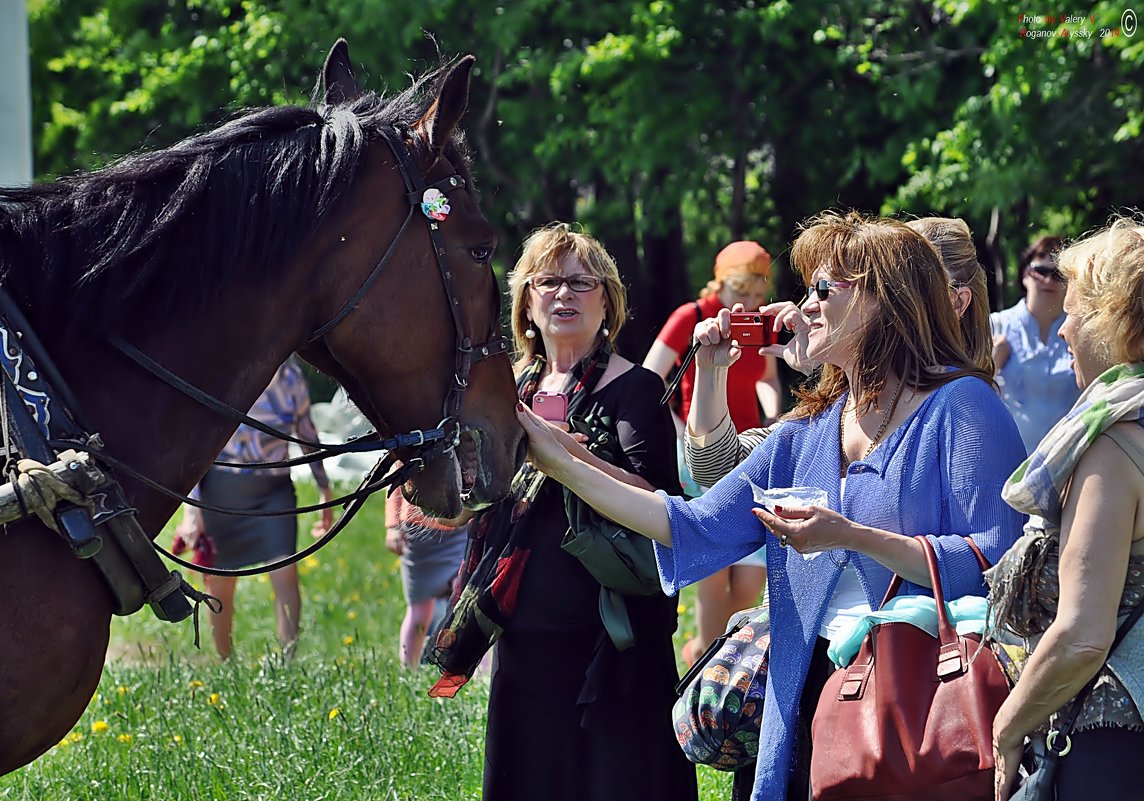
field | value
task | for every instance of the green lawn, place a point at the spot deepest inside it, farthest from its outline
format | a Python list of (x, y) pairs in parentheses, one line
[(339, 721)]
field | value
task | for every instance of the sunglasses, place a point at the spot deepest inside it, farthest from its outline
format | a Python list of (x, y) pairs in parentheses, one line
[(822, 288), (1046, 271), (577, 283)]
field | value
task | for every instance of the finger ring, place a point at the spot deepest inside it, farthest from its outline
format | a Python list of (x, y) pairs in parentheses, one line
[(783, 541)]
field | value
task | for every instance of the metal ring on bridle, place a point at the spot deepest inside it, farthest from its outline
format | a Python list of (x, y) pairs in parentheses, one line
[(783, 541)]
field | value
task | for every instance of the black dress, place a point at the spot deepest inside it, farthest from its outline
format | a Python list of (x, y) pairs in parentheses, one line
[(570, 717)]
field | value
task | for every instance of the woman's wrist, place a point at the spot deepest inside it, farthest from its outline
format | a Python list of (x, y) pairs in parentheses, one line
[(1005, 738)]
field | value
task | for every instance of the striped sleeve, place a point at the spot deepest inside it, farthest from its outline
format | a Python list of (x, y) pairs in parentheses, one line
[(714, 455)]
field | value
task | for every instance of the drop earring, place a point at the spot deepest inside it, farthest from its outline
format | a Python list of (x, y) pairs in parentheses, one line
[(530, 332), (604, 330)]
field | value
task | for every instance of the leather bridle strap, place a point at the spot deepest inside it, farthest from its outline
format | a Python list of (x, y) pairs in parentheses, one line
[(467, 354)]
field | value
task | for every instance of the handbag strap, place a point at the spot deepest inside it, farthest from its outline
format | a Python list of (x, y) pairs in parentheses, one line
[(896, 581), (706, 656), (952, 656)]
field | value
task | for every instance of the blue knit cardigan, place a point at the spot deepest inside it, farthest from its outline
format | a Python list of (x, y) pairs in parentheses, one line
[(940, 474)]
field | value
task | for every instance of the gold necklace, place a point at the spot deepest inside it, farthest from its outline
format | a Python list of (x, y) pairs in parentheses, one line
[(843, 460)]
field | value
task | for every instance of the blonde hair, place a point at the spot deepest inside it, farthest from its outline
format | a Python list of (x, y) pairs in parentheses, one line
[(953, 242), (742, 283), (543, 251), (914, 330), (1106, 270)]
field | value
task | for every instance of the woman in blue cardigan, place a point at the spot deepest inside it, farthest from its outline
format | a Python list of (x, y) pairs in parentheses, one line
[(901, 430)]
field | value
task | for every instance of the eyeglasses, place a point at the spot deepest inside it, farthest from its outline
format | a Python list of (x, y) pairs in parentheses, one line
[(822, 288), (1047, 271), (577, 283)]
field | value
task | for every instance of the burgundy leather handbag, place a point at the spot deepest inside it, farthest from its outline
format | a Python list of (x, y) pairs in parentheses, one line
[(912, 716)]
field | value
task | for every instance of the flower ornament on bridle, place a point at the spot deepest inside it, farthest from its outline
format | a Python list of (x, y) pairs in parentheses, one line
[(434, 204)]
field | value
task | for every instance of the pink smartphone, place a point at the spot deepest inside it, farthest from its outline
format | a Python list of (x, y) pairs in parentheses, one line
[(551, 406)]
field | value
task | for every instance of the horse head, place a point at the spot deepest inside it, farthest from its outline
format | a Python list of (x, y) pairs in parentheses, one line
[(415, 360)]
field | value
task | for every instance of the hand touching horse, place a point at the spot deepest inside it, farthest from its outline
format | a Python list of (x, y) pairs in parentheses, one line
[(279, 231)]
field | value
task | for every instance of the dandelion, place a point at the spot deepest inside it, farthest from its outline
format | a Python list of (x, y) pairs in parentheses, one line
[(177, 739), (681, 609), (311, 562), (348, 640), (99, 727), (213, 699), (195, 684), (121, 690), (124, 738), (355, 597), (333, 713), (351, 615), (75, 736)]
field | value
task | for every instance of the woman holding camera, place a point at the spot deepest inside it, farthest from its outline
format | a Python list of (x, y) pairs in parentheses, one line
[(714, 444), (570, 715), (895, 430), (751, 392)]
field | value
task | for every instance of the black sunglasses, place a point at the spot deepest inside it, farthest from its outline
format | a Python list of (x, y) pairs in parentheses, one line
[(1047, 271), (822, 288)]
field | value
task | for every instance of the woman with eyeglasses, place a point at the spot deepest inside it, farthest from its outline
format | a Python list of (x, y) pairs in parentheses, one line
[(578, 708), (901, 430), (1034, 369)]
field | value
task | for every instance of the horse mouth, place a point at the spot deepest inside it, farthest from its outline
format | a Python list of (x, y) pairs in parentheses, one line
[(467, 455)]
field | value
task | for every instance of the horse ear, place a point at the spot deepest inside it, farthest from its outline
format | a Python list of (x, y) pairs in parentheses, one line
[(447, 110), (338, 84)]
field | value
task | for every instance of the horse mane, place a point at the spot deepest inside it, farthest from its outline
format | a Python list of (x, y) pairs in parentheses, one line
[(124, 247)]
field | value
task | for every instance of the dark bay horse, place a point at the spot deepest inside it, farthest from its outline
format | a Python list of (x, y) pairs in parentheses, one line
[(218, 257)]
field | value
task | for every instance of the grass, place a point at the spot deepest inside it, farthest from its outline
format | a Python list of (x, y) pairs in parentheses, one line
[(338, 720)]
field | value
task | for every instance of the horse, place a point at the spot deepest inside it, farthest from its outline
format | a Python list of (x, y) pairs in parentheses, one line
[(218, 257)]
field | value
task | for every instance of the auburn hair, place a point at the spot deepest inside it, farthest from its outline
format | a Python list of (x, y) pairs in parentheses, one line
[(914, 330)]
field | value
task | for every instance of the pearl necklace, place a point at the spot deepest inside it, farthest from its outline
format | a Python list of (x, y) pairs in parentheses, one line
[(843, 460)]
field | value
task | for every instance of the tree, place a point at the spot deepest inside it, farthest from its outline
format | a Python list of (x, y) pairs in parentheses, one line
[(666, 127)]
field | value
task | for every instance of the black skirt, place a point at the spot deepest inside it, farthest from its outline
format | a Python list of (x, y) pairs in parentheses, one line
[(244, 541)]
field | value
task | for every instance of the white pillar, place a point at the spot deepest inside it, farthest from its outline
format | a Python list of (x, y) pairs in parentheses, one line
[(15, 95)]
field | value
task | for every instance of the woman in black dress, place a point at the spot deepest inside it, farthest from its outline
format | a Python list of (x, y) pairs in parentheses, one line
[(570, 716)]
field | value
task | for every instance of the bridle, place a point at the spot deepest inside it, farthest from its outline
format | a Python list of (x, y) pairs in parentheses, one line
[(466, 353), (425, 443)]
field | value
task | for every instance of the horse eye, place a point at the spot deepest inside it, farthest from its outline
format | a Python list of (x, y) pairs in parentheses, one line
[(481, 255)]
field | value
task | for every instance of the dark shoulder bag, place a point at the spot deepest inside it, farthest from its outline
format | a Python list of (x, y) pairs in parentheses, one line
[(622, 561)]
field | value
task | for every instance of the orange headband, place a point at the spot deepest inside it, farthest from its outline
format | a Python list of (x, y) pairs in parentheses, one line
[(747, 258)]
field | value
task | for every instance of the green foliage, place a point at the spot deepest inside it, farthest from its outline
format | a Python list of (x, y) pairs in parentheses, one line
[(666, 127)]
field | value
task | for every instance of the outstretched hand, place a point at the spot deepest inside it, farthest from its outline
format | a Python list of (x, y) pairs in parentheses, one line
[(548, 446), (789, 316)]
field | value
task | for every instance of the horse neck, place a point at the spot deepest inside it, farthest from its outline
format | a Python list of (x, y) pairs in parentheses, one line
[(231, 351)]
